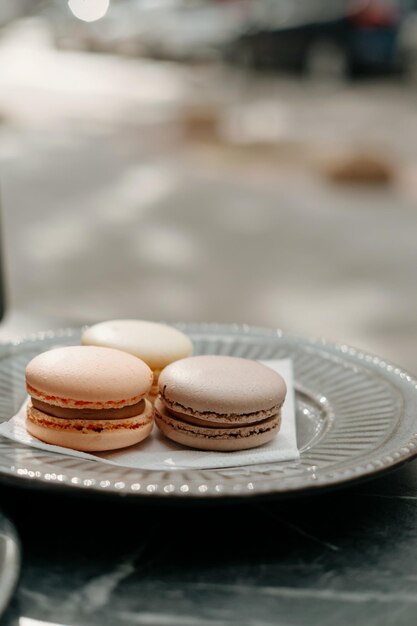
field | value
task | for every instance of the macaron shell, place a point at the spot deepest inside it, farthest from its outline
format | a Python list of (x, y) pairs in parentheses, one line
[(221, 385), (156, 344), (96, 442), (216, 439), (79, 434), (88, 376)]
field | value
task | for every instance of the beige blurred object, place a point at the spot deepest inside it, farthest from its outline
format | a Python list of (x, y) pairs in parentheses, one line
[(407, 181), (364, 168), (201, 123)]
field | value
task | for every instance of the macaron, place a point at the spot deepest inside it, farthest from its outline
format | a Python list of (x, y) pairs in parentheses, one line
[(221, 403), (88, 398), (156, 344)]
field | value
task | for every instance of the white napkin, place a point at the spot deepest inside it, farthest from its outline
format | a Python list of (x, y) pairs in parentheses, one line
[(159, 453)]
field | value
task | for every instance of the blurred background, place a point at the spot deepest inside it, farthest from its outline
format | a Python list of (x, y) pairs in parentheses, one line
[(249, 161)]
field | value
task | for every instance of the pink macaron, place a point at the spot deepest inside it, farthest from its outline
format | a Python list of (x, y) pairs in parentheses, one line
[(219, 403), (88, 398)]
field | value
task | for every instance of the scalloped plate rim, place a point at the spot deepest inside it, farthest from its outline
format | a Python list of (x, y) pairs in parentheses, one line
[(241, 488)]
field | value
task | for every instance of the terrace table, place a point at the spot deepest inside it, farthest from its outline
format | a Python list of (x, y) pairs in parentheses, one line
[(344, 557)]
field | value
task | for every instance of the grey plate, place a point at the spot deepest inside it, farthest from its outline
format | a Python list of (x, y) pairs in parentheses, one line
[(9, 561), (356, 417)]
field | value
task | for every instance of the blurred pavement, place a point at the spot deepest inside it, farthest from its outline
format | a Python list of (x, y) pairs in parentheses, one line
[(109, 210)]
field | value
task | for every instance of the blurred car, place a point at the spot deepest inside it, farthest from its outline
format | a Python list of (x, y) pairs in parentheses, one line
[(174, 29), (189, 29), (323, 37)]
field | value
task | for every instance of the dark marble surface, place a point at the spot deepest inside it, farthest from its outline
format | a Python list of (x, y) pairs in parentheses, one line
[(341, 558)]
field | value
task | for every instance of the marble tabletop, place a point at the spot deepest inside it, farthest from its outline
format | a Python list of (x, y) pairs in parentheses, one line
[(345, 557)]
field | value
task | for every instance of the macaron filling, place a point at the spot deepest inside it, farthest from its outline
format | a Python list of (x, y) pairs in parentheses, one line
[(231, 421), (87, 413), (215, 431), (88, 425), (218, 419), (154, 389)]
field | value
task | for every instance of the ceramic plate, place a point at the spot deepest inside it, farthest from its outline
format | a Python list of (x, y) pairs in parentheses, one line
[(356, 417)]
